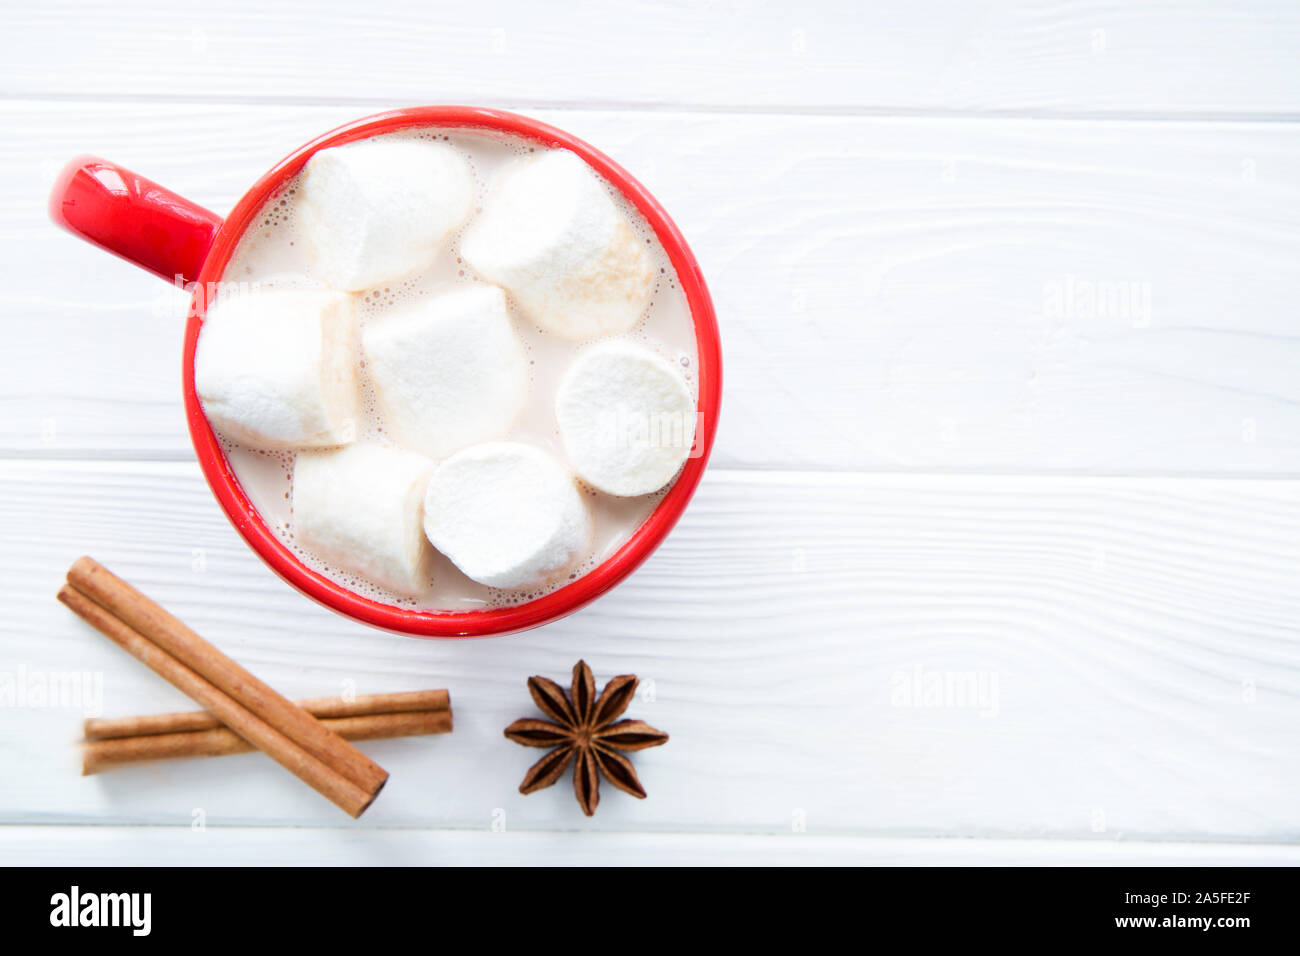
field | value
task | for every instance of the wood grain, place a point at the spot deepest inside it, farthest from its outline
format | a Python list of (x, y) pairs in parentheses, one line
[(996, 295), (970, 656), (185, 845), (900, 212), (1092, 57)]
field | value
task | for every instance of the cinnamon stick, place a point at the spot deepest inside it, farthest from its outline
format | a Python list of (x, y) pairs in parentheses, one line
[(107, 728), (282, 740), (174, 637), (107, 753)]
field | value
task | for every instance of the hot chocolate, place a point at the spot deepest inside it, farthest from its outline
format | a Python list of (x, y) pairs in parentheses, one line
[(485, 284)]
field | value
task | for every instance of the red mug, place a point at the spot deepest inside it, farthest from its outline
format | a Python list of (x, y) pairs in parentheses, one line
[(160, 231)]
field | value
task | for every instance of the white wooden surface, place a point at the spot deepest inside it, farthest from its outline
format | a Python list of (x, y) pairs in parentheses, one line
[(931, 466)]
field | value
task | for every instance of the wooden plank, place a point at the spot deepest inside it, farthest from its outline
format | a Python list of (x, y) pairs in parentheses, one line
[(894, 294), (315, 846), (893, 655), (1095, 57)]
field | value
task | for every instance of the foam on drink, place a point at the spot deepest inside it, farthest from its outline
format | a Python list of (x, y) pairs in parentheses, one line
[(275, 253)]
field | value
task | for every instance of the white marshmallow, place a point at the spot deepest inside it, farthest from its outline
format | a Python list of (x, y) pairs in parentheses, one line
[(448, 371), (506, 514), (361, 509), (379, 209), (277, 368), (550, 233), (627, 418)]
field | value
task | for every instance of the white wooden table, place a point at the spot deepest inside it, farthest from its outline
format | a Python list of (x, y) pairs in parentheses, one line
[(1008, 294)]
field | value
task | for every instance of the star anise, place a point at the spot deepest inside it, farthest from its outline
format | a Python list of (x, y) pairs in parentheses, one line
[(584, 733)]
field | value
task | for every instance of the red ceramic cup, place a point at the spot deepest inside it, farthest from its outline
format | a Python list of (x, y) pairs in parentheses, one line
[(160, 231)]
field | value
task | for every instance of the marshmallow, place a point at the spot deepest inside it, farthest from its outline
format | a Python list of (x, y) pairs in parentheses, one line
[(448, 371), (277, 369), (506, 514), (360, 509), (379, 209), (551, 234), (627, 418)]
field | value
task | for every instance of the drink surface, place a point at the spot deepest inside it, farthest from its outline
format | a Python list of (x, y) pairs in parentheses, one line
[(275, 254)]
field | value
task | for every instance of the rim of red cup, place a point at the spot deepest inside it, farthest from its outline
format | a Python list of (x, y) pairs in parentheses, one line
[(487, 621)]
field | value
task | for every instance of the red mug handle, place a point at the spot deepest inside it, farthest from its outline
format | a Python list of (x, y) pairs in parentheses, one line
[(133, 217)]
